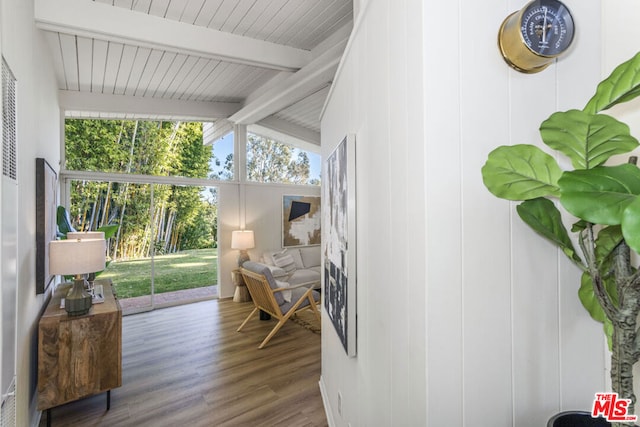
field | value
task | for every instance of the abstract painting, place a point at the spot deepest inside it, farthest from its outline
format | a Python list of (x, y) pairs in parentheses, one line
[(301, 221), (46, 204), (339, 242)]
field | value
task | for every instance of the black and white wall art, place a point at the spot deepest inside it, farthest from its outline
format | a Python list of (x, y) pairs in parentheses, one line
[(339, 241), (46, 229)]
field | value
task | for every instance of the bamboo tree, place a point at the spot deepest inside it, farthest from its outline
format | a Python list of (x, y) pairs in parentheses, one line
[(169, 233), (126, 186), (105, 206)]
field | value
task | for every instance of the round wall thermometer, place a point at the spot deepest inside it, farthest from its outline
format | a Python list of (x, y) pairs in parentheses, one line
[(531, 38)]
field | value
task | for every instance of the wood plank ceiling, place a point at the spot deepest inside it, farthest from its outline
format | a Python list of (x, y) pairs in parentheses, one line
[(256, 62)]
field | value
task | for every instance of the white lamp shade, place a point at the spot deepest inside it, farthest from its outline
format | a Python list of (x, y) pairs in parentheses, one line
[(242, 239), (85, 235), (77, 256)]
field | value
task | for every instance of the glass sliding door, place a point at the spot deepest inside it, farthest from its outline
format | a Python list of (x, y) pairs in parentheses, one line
[(95, 204), (164, 251), (184, 224)]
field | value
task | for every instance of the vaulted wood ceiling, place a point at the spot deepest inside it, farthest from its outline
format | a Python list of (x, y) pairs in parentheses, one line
[(266, 63)]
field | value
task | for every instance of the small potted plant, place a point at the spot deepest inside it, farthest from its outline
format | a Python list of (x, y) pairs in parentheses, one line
[(602, 199)]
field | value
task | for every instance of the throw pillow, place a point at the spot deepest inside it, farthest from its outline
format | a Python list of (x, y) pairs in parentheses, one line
[(285, 262), (278, 273), (285, 294)]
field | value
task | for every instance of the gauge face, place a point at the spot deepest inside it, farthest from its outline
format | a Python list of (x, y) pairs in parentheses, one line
[(547, 27)]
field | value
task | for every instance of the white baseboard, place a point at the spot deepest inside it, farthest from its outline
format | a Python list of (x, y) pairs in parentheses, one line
[(326, 404)]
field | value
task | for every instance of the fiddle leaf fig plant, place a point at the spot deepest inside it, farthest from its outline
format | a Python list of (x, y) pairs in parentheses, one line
[(604, 199)]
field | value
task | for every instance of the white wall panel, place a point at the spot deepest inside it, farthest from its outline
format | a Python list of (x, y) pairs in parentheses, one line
[(507, 341), (400, 223), (444, 244), (26, 52), (374, 101), (487, 294), (374, 207), (228, 216)]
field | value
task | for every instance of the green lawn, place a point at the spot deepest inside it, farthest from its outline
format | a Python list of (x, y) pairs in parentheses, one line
[(183, 270)]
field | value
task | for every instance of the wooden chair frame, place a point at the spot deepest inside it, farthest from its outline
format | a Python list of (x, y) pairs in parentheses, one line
[(263, 297)]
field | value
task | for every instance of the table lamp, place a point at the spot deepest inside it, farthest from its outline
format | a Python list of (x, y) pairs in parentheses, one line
[(85, 235), (242, 240), (77, 257)]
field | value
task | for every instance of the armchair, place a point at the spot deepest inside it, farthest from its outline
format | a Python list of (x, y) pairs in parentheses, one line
[(267, 295)]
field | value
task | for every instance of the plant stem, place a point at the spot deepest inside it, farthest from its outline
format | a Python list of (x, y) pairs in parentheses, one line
[(622, 361), (624, 353)]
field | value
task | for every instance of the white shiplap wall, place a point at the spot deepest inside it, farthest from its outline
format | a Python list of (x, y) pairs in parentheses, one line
[(25, 51), (465, 316)]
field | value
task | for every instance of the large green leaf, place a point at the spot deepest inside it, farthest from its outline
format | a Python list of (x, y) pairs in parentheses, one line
[(108, 230), (521, 172), (600, 195), (631, 225), (588, 140), (622, 85), (63, 222), (543, 216), (588, 298), (608, 239)]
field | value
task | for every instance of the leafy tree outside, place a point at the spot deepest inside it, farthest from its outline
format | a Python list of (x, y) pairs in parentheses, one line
[(269, 161), (182, 219), (272, 161)]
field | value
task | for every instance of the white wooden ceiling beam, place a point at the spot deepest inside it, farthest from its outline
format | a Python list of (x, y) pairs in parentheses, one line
[(124, 104), (288, 91), (291, 129), (105, 22), (216, 130)]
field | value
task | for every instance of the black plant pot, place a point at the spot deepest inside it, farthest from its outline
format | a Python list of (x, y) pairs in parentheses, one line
[(576, 419)]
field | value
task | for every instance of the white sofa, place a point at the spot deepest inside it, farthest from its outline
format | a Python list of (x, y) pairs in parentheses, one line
[(294, 265)]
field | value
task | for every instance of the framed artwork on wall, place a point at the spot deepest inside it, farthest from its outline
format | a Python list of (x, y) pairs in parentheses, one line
[(46, 203), (301, 219), (339, 242)]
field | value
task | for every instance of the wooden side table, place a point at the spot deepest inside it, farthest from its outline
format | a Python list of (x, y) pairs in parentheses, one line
[(79, 356), (242, 293)]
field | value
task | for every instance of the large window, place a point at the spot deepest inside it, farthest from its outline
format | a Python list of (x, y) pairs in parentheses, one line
[(155, 148), (150, 180), (222, 166), (272, 161), (156, 181)]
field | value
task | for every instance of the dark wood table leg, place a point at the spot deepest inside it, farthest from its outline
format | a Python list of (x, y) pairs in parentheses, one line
[(108, 399), (49, 417)]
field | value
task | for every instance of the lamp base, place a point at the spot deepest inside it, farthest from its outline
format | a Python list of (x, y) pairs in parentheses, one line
[(78, 301), (243, 257)]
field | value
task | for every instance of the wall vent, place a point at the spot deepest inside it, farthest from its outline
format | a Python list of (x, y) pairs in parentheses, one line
[(8, 408), (9, 145)]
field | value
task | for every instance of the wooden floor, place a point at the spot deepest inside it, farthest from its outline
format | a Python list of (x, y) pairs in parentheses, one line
[(187, 366)]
